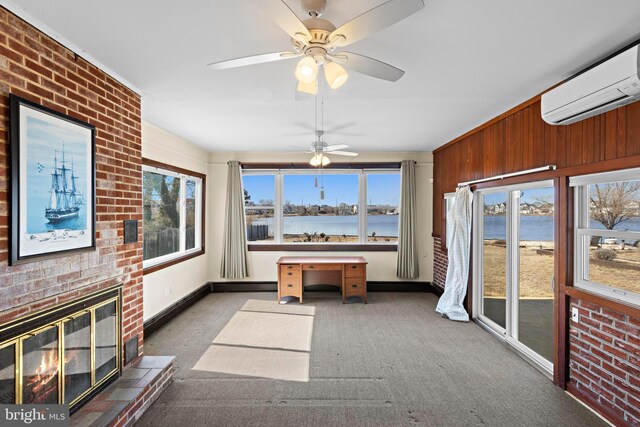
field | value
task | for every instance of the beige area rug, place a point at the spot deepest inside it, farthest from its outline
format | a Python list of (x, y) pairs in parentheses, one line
[(263, 339)]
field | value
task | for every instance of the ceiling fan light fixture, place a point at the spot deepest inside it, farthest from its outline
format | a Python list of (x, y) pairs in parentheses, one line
[(335, 74), (319, 159), (310, 88), (306, 70)]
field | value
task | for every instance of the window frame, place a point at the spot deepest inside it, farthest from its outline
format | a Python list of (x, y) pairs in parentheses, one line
[(583, 234), (279, 245), (449, 198), (164, 261)]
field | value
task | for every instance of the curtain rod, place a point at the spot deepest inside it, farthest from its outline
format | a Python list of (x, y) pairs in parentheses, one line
[(509, 175)]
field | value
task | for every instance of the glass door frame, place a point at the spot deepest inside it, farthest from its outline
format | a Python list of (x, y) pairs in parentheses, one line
[(510, 333)]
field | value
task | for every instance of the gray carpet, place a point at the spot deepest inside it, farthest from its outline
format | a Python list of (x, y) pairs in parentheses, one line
[(392, 362)]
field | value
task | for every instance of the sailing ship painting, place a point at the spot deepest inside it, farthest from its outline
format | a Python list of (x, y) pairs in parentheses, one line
[(66, 199), (54, 181)]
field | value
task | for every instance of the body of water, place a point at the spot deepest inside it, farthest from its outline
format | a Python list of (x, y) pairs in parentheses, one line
[(37, 223), (382, 225), (539, 227)]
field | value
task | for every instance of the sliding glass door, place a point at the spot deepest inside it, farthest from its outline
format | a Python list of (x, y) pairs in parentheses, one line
[(513, 267)]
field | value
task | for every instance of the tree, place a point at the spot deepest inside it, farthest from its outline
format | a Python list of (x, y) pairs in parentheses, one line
[(610, 203), (169, 198), (247, 196)]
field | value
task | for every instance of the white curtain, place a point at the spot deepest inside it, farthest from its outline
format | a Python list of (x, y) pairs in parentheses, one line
[(234, 239), (455, 288), (407, 263)]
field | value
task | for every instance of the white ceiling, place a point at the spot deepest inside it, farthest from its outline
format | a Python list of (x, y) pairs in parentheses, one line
[(465, 61)]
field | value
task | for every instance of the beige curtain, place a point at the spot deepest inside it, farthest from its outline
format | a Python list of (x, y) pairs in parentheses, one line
[(234, 240), (407, 235)]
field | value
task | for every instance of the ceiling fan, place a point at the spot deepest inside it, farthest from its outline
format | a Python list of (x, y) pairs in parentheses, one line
[(316, 41), (320, 149)]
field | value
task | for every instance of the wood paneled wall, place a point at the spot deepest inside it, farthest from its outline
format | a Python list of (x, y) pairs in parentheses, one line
[(520, 140)]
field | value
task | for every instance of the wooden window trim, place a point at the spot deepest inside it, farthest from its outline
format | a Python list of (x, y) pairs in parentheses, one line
[(171, 262), (203, 177), (622, 307)]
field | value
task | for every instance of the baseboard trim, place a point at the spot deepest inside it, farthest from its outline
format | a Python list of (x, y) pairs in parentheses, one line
[(243, 286), (166, 315), (372, 286), (436, 289), (597, 408)]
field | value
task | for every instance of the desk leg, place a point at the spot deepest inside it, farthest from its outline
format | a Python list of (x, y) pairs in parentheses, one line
[(343, 286), (279, 282)]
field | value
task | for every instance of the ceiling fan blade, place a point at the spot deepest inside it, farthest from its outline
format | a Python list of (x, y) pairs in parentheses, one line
[(252, 60), (369, 66), (335, 147), (374, 20), (286, 19), (344, 153)]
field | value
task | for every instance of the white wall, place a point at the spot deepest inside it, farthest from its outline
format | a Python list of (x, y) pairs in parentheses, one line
[(262, 265), (164, 287)]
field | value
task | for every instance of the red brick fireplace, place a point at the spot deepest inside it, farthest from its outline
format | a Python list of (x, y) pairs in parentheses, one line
[(36, 67)]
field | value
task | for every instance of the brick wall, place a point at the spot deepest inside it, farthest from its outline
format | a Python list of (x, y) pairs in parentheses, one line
[(35, 67), (440, 263), (605, 360)]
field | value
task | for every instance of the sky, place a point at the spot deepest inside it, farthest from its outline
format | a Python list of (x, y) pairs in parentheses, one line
[(383, 189)]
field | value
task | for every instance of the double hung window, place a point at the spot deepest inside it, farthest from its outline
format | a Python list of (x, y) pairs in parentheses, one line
[(172, 214), (607, 234)]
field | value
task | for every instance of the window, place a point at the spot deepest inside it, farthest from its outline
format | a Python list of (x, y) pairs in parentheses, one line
[(383, 201), (259, 207), (607, 237), (298, 206), (172, 214)]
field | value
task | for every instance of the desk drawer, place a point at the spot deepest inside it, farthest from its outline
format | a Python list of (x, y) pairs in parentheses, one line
[(322, 267), (291, 286), (354, 270), (290, 270), (355, 286)]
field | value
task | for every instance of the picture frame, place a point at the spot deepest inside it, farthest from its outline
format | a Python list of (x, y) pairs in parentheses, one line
[(53, 181)]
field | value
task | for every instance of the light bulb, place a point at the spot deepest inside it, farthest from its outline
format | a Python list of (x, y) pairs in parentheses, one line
[(306, 70), (319, 159), (336, 75), (316, 160), (310, 88)]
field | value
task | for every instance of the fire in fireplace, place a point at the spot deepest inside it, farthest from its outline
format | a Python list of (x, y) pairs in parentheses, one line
[(63, 355), (40, 367)]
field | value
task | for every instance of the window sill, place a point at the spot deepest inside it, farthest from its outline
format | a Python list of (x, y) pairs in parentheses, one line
[(327, 247), (623, 307), (171, 262)]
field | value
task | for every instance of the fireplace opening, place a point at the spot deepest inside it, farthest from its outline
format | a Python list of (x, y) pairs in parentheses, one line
[(40, 367), (63, 355)]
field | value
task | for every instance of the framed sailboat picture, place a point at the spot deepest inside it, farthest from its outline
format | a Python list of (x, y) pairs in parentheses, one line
[(53, 183)]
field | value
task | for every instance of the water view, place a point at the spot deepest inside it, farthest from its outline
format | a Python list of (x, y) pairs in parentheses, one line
[(334, 225), (540, 227)]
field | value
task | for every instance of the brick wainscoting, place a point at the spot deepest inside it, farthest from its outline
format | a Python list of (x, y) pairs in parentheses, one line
[(440, 262), (605, 361), (36, 67)]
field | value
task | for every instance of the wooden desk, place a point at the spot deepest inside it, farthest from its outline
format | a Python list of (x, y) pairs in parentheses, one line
[(353, 274)]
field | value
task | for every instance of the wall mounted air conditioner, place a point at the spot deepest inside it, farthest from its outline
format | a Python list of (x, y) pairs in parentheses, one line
[(606, 86)]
